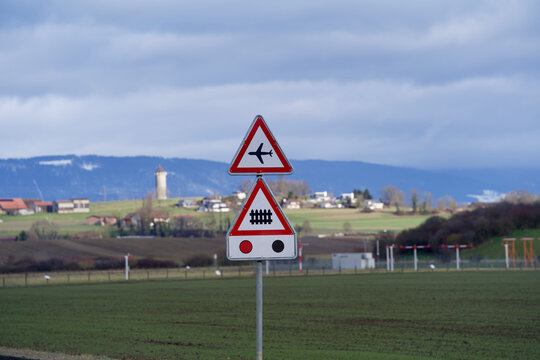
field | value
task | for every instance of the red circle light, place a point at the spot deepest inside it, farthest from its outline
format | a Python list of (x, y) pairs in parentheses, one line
[(246, 247)]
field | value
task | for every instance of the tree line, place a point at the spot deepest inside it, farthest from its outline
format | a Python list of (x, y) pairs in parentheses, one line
[(473, 227)]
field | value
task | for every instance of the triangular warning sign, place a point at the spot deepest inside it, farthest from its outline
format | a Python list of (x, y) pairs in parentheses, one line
[(259, 153), (261, 214)]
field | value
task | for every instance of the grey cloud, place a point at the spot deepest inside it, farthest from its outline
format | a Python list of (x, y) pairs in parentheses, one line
[(387, 122), (373, 81)]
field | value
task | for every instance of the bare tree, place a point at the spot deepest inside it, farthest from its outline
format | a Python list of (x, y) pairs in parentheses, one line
[(414, 198), (393, 195), (306, 227), (145, 213), (43, 230), (245, 186), (284, 187), (520, 197), (427, 203), (447, 203)]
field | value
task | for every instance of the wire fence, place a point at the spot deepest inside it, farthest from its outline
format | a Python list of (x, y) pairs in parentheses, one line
[(310, 267)]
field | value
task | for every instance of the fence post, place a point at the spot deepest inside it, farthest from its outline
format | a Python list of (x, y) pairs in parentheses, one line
[(185, 274), (3, 281), (147, 275), (109, 275), (323, 270), (68, 277), (203, 274), (26, 279), (167, 274), (89, 276), (239, 271)]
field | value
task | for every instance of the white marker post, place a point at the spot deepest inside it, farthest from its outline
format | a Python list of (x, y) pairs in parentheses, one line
[(506, 257), (387, 259), (300, 257), (414, 247), (390, 257), (457, 247), (126, 259)]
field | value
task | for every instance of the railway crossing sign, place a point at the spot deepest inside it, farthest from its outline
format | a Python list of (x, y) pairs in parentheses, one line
[(259, 153), (261, 231)]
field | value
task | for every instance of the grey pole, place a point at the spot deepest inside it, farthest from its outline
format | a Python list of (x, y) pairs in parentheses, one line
[(259, 300)]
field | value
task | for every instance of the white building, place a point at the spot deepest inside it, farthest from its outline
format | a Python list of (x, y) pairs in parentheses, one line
[(373, 205), (78, 205), (320, 196), (81, 205), (351, 261), (240, 195), (292, 204), (161, 183), (330, 205), (213, 205), (187, 203), (347, 197)]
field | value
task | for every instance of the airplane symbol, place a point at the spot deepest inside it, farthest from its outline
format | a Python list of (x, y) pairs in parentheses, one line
[(259, 153)]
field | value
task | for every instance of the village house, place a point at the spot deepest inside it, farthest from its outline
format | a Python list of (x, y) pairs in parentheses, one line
[(14, 206), (373, 205), (101, 220), (292, 204), (213, 205), (320, 196), (187, 203), (347, 197), (240, 195), (330, 205), (81, 205), (43, 206), (135, 219), (63, 206), (76, 205)]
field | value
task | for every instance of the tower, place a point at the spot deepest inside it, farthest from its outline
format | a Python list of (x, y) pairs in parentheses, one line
[(161, 183)]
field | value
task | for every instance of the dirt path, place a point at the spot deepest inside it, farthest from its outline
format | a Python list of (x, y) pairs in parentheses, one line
[(27, 354)]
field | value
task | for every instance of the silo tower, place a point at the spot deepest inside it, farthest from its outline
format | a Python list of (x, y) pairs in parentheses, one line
[(161, 183)]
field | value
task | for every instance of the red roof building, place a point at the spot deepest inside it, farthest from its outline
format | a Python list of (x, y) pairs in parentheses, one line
[(12, 206)]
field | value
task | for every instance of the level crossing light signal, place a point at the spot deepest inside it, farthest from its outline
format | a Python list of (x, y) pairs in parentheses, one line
[(261, 230), (246, 246)]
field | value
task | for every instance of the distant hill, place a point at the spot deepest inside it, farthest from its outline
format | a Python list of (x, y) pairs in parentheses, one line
[(121, 178)]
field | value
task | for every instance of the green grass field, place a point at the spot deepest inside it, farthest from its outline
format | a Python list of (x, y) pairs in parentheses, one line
[(430, 315), (494, 248), (323, 221)]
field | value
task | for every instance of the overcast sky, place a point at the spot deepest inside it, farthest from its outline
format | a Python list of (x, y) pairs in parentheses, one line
[(428, 84)]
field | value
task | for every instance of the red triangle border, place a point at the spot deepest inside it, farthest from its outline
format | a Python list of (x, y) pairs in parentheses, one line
[(260, 185), (259, 123)]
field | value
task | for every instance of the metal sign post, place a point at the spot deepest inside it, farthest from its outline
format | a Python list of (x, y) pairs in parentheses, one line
[(260, 231), (259, 309)]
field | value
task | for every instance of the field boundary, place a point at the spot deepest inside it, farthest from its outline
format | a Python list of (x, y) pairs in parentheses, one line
[(29, 354), (228, 272)]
